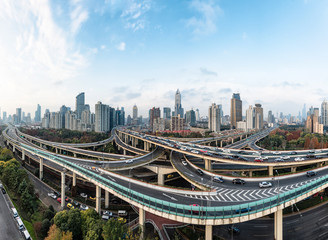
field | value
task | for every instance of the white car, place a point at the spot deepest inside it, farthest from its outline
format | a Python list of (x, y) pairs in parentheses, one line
[(276, 153), (52, 195), (84, 207), (184, 163), (265, 184), (122, 158), (129, 161), (285, 157), (264, 157), (83, 195), (194, 151), (298, 159)]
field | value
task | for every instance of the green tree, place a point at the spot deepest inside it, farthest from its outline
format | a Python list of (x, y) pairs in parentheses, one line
[(44, 228), (113, 229)]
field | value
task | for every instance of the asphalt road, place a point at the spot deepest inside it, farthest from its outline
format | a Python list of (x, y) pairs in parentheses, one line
[(8, 226)]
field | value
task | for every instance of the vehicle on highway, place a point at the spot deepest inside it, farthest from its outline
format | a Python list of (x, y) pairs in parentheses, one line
[(318, 157), (258, 160), (264, 157), (170, 176), (276, 152), (234, 230), (218, 179), (285, 157), (279, 160), (265, 184), (193, 211), (122, 158), (243, 210), (52, 195), (310, 156), (84, 207), (3, 191), (70, 206), (194, 151), (311, 173), (318, 151), (92, 198), (26, 235), (299, 159), (20, 223), (15, 213), (312, 151), (129, 161), (106, 215), (199, 171), (122, 213), (59, 200), (293, 153), (83, 195), (184, 163), (238, 181)]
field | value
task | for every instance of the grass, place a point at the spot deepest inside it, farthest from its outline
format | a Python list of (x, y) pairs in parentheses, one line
[(30, 229)]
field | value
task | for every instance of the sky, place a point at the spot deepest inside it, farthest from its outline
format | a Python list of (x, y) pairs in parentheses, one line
[(126, 52)]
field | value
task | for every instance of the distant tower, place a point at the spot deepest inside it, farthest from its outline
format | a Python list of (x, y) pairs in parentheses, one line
[(324, 113), (177, 108), (135, 112), (80, 102), (214, 119), (235, 110)]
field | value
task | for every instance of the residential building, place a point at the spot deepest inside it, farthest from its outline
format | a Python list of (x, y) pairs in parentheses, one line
[(154, 113), (191, 118), (324, 113), (177, 123), (214, 118), (80, 104), (235, 110)]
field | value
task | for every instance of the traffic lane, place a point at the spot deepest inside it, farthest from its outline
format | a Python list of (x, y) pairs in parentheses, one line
[(8, 225)]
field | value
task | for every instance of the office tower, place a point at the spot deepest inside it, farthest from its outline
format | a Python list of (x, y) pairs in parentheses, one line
[(4, 116), (128, 120), (103, 118), (214, 118), (177, 123), (258, 116), (80, 104), (197, 115), (120, 117), (37, 116), (154, 113), (304, 112), (167, 113), (250, 118), (324, 113), (134, 112), (18, 117), (312, 122), (235, 110), (271, 118), (191, 118), (46, 119), (178, 110)]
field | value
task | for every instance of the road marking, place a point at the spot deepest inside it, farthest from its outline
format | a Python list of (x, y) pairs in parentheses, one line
[(226, 195), (322, 218), (111, 178), (170, 197), (263, 226)]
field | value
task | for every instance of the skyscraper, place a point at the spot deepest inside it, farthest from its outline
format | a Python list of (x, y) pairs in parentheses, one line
[(79, 106), (258, 110), (304, 112), (178, 110), (135, 112), (214, 119), (270, 117), (235, 110), (324, 113), (191, 118), (104, 117), (154, 113), (167, 113), (250, 118), (37, 117), (18, 116)]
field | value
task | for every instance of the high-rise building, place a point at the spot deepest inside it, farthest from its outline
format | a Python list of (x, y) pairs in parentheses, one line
[(4, 116), (18, 116), (304, 112), (197, 115), (271, 117), (258, 116), (324, 113), (312, 122), (135, 112), (177, 123), (120, 117), (191, 118), (104, 117), (37, 117), (154, 113), (178, 110), (235, 110), (250, 118), (80, 104), (167, 113), (214, 118)]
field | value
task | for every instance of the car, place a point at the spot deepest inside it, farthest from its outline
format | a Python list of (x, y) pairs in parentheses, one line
[(232, 229), (170, 176), (52, 195), (70, 206), (311, 173), (265, 184), (3, 191), (312, 151), (184, 163), (122, 158), (238, 181), (193, 211), (293, 153), (243, 210), (83, 195), (264, 157), (279, 160), (129, 161), (194, 151), (318, 157), (285, 157), (59, 200), (318, 151), (218, 179), (67, 199), (106, 215), (84, 207), (310, 156), (276, 152), (199, 171), (299, 159), (258, 160), (76, 204), (92, 198)]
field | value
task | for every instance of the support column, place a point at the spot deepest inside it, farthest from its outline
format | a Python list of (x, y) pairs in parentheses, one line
[(62, 204), (23, 155), (74, 179), (208, 164), (241, 137), (74, 155), (73, 184), (106, 199), (293, 169), (41, 168), (278, 225), (208, 232), (98, 198), (13, 148), (221, 143), (142, 223), (160, 179), (124, 152), (145, 146), (216, 143), (56, 150), (232, 140), (270, 170), (250, 173)]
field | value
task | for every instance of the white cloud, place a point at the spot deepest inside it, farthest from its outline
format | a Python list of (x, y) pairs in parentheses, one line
[(134, 15), (78, 16), (121, 46), (208, 12)]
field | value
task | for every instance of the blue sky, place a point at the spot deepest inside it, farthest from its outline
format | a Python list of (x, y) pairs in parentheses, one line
[(126, 52)]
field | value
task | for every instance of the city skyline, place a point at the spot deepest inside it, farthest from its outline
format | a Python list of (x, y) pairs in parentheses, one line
[(125, 53)]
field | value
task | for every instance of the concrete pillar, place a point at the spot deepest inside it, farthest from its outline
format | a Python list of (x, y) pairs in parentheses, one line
[(241, 137), (56, 150), (278, 227), (74, 155), (74, 179), (293, 169), (145, 146), (23, 155), (232, 140), (208, 232), (106, 199), (13, 148), (270, 170), (142, 223), (41, 168), (62, 190), (124, 152), (98, 198), (160, 179), (216, 143), (208, 164), (221, 143), (250, 173)]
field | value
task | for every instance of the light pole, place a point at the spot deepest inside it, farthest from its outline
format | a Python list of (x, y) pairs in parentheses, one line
[(278, 184)]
